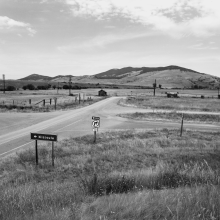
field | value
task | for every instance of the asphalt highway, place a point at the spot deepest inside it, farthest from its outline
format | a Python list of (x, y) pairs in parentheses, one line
[(78, 122)]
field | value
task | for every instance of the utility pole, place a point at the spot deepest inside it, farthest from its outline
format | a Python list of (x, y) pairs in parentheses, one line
[(58, 88), (155, 85), (4, 82), (218, 93), (70, 85)]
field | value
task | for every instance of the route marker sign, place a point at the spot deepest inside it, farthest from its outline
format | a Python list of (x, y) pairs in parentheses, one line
[(95, 125), (95, 122), (44, 137)]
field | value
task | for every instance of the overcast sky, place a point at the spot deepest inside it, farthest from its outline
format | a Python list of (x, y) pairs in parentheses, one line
[(85, 37)]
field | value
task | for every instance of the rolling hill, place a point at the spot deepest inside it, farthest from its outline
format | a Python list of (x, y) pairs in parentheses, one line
[(168, 77)]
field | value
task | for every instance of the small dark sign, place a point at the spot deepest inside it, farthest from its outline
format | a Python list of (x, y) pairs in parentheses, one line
[(95, 118), (44, 137)]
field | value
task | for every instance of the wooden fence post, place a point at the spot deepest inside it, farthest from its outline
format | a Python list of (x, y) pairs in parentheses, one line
[(36, 152), (55, 102), (155, 85), (181, 131), (52, 153)]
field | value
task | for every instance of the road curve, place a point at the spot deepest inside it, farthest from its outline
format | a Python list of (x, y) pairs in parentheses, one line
[(77, 122)]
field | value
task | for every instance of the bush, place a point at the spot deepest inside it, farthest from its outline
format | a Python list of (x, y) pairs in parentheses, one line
[(65, 87), (10, 88), (42, 87), (29, 86)]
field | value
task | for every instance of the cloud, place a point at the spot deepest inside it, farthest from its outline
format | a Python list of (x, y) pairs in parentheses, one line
[(202, 46), (8, 24), (176, 18), (99, 42)]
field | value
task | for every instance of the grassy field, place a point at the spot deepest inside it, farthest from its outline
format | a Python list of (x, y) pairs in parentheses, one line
[(20, 100), (172, 116), (183, 103), (130, 174), (143, 98)]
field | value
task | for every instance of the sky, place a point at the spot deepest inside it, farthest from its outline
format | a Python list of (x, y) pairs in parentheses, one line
[(86, 37)]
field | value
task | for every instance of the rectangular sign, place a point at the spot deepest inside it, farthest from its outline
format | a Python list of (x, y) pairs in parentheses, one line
[(95, 118), (43, 137)]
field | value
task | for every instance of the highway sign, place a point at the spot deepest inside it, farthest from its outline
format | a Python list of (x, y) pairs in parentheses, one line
[(96, 124), (44, 137)]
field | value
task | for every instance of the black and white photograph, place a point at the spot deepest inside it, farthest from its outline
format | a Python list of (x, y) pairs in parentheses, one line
[(109, 110)]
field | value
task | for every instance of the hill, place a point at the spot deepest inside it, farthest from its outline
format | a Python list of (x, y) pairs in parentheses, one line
[(37, 77), (168, 77), (121, 73)]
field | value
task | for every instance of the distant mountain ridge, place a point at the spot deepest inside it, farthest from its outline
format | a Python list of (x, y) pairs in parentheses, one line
[(169, 76), (119, 73), (41, 77), (36, 77)]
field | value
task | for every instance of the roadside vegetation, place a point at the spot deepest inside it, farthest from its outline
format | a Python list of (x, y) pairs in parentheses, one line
[(129, 174), (183, 103), (172, 116), (62, 104)]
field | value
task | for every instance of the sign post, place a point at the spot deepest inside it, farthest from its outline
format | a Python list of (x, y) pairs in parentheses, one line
[(155, 85), (52, 153), (94, 129), (95, 126), (36, 152), (44, 137)]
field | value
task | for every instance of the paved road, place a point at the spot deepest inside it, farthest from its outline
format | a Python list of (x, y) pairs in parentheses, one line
[(78, 122)]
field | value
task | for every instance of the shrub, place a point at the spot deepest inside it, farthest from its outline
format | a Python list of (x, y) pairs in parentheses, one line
[(10, 88), (30, 87)]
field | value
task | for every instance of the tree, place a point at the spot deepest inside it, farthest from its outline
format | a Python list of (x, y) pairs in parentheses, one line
[(65, 87), (54, 87), (24, 87), (10, 88), (42, 87), (30, 87)]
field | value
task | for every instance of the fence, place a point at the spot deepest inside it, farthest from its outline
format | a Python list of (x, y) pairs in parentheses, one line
[(46, 104)]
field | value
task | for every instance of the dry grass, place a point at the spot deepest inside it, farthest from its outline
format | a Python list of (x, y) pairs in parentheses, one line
[(138, 174), (61, 105), (173, 116), (183, 103), (183, 203)]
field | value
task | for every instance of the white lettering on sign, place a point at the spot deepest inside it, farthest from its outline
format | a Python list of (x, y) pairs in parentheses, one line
[(46, 137)]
